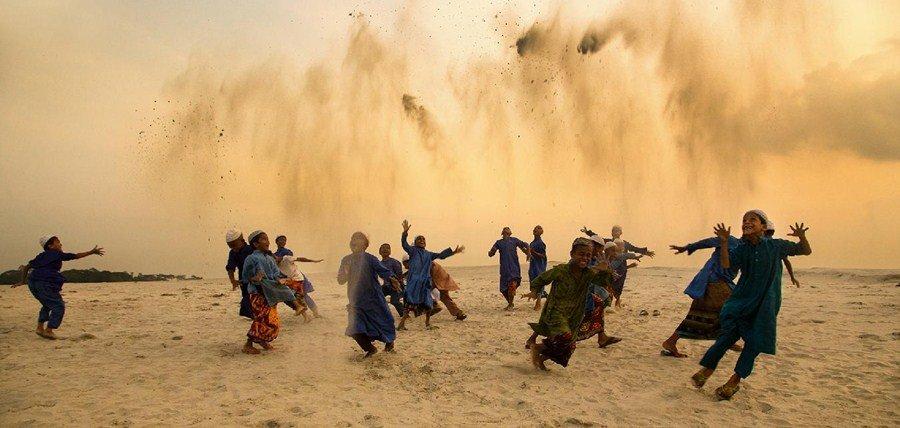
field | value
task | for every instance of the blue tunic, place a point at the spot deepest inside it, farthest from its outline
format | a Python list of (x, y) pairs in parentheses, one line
[(367, 312), (538, 264), (418, 280), (753, 307), (256, 262), (712, 271), (509, 260), (619, 265), (396, 269), (46, 265)]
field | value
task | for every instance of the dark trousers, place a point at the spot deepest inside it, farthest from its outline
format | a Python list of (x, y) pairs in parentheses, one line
[(52, 305), (364, 342), (726, 340), (395, 298)]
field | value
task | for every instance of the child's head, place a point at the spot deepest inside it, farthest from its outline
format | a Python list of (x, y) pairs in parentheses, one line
[(506, 232), (597, 246), (406, 261), (582, 249), (610, 249), (419, 241), (616, 231), (235, 239), (50, 242), (259, 241), (538, 231), (620, 245), (754, 223), (281, 241), (359, 242), (384, 250)]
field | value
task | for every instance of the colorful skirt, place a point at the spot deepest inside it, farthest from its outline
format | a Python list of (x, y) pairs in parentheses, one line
[(559, 348), (299, 288), (702, 320), (593, 320), (266, 323)]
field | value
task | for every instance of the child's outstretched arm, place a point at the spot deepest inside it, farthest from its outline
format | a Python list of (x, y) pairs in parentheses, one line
[(799, 230), (790, 269), (723, 234), (24, 268)]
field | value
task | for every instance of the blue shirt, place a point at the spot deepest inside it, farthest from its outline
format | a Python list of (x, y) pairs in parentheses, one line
[(236, 260), (712, 271), (538, 263), (256, 262), (418, 280), (509, 258), (45, 266), (396, 269), (283, 251)]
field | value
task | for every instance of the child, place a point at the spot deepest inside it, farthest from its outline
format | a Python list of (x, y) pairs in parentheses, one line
[(46, 282), (443, 285), (266, 287), (368, 316), (296, 282), (538, 263), (237, 254), (395, 296), (417, 295), (752, 310), (618, 263), (510, 272), (282, 251), (564, 309)]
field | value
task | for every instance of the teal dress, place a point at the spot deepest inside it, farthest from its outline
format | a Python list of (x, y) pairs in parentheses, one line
[(753, 307)]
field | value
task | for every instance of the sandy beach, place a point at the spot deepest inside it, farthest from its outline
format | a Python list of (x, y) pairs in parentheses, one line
[(169, 353)]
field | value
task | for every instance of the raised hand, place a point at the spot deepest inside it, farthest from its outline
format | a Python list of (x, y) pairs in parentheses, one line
[(98, 251), (798, 230), (584, 230), (722, 232), (651, 254), (459, 249), (406, 226), (677, 249)]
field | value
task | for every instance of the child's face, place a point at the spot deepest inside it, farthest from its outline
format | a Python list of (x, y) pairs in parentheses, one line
[(616, 232), (262, 242), (753, 225), (55, 245), (538, 231), (420, 241), (406, 264), (281, 242), (237, 243), (581, 255), (384, 251)]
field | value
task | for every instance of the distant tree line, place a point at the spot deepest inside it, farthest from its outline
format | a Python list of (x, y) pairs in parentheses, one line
[(94, 275)]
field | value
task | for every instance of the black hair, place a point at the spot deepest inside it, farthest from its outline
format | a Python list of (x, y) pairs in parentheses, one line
[(50, 241)]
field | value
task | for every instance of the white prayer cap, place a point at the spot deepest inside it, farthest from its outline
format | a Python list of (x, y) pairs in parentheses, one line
[(762, 217), (609, 245), (253, 235), (45, 239), (232, 235), (406, 257), (597, 239)]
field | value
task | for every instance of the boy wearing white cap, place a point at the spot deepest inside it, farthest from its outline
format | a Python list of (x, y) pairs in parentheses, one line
[(46, 282)]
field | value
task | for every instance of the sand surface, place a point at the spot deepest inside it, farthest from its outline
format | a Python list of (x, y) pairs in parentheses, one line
[(169, 353)]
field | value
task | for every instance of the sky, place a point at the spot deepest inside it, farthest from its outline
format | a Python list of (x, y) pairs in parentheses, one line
[(150, 128)]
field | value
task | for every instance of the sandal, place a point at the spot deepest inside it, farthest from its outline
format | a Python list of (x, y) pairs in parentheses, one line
[(725, 392), (699, 379)]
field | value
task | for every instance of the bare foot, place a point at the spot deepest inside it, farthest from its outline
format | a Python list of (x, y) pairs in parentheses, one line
[(461, 317), (267, 346), (670, 350), (48, 334), (609, 341), (536, 358), (370, 353), (509, 307), (537, 305), (401, 327), (736, 348), (389, 347), (431, 327), (40, 329), (249, 349)]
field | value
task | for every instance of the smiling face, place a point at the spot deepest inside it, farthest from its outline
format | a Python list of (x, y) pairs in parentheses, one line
[(261, 242), (581, 255), (538, 231), (753, 225), (419, 241)]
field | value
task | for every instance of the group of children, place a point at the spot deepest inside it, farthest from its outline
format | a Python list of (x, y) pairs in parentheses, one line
[(721, 310), (573, 311)]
